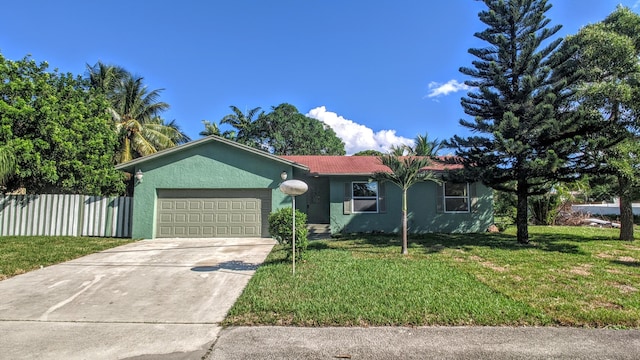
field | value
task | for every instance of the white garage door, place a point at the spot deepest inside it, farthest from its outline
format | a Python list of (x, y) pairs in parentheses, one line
[(213, 213)]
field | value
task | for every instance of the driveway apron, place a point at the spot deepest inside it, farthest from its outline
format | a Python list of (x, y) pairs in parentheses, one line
[(160, 298)]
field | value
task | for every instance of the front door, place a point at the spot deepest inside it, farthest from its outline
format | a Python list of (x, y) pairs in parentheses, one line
[(318, 201)]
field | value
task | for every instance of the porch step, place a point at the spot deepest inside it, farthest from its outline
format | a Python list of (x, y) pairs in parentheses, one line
[(319, 231)]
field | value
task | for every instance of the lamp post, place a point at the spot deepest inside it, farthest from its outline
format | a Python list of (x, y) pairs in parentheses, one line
[(293, 188)]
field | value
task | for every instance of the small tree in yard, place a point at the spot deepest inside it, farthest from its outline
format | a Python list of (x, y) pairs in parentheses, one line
[(406, 171), (280, 227)]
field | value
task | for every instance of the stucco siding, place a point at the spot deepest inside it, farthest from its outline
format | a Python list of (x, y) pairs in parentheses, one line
[(212, 165), (423, 215)]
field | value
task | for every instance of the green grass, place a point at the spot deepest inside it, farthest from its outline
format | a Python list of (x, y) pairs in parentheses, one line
[(566, 276), (20, 254)]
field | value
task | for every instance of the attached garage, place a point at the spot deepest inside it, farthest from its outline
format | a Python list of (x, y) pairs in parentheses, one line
[(192, 213), (211, 187)]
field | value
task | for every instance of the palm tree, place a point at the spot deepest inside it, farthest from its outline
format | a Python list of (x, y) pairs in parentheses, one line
[(7, 163), (105, 78), (135, 112), (400, 150), (210, 128), (242, 122), (406, 171), (425, 147), (171, 130)]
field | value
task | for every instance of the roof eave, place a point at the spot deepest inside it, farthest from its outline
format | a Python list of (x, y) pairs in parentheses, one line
[(367, 173), (131, 165)]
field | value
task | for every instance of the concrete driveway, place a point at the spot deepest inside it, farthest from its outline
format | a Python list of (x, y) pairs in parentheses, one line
[(155, 299)]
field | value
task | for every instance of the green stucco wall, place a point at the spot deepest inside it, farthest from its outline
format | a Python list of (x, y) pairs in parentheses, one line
[(211, 165), (422, 211)]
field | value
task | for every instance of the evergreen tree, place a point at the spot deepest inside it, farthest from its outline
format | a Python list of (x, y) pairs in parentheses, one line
[(529, 135), (608, 56)]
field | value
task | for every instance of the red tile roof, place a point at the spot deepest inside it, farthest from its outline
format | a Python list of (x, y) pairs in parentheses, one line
[(350, 165)]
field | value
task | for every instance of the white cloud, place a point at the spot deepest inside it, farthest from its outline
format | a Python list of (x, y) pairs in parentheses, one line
[(451, 86), (358, 137)]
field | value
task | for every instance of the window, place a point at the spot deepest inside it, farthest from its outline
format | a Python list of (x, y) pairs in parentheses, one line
[(456, 197), (364, 196)]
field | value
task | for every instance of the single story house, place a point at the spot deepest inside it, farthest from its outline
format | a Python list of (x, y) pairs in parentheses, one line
[(214, 187)]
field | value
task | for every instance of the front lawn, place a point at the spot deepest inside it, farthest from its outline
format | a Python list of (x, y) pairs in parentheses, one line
[(19, 254), (566, 276)]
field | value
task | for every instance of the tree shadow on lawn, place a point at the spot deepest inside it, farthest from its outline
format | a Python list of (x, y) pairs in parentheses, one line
[(627, 263), (436, 242)]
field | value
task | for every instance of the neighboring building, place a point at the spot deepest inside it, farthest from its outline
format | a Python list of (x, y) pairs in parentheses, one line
[(214, 187)]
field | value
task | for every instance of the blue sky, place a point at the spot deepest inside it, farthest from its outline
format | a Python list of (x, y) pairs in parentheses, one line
[(379, 72)]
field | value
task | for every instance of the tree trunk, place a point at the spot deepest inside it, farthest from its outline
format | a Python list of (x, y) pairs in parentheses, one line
[(522, 216), (626, 209), (405, 242)]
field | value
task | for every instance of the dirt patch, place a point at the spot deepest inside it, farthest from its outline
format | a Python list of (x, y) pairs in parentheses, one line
[(582, 270), (493, 266), (627, 259), (604, 256), (625, 289), (606, 305), (615, 271), (631, 247)]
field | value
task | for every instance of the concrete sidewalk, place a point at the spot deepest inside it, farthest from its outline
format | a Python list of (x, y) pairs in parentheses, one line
[(150, 299), (425, 343)]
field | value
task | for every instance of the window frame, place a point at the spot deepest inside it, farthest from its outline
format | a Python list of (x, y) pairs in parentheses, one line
[(466, 197), (354, 198)]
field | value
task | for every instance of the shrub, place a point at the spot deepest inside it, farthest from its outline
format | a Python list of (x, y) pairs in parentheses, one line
[(280, 227), (544, 208)]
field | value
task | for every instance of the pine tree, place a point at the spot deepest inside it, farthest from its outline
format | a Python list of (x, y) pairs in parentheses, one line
[(608, 56), (527, 135)]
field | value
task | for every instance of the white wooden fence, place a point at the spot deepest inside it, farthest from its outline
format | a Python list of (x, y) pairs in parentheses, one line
[(65, 215)]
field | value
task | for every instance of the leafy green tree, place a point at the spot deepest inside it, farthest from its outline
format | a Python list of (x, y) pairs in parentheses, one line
[(243, 123), (368, 153), (608, 58), (135, 111), (7, 163), (527, 135), (56, 134), (285, 131), (405, 172)]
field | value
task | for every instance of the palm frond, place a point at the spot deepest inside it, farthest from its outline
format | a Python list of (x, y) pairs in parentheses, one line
[(142, 145), (405, 170), (209, 129)]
